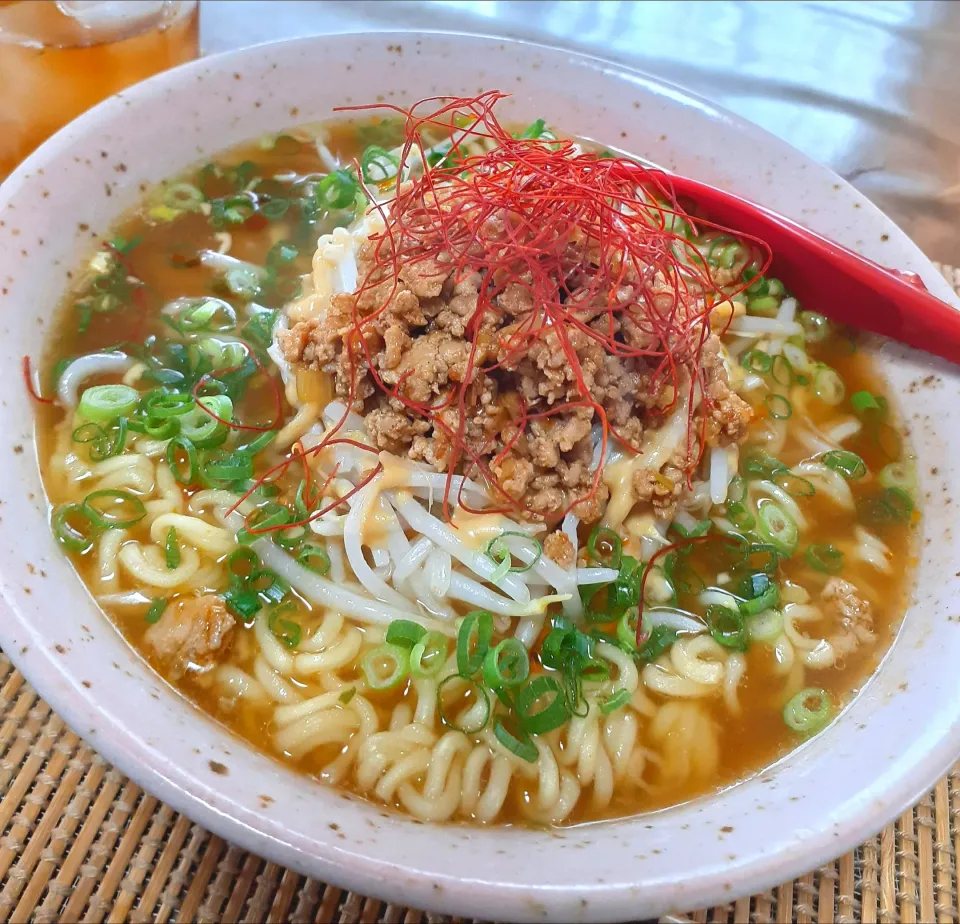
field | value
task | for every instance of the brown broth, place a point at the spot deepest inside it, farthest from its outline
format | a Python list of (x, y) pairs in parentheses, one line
[(751, 741)]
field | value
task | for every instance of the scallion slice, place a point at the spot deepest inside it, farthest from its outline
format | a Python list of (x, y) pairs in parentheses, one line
[(473, 641), (847, 463), (541, 705), (285, 630), (104, 403), (765, 627), (807, 711), (727, 626), (478, 691), (243, 281), (172, 549), (385, 666), (506, 666), (314, 558), (898, 475), (777, 527), (738, 514), (74, 528), (405, 633), (865, 403), (109, 509), (778, 407), (615, 702), (183, 460), (816, 327), (337, 190), (155, 611), (429, 655), (757, 362), (378, 165), (519, 745), (605, 547), (268, 584), (498, 552), (825, 558)]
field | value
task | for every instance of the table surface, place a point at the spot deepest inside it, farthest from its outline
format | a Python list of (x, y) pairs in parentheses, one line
[(868, 88)]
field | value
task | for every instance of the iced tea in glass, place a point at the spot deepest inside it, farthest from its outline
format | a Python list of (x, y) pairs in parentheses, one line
[(60, 57)]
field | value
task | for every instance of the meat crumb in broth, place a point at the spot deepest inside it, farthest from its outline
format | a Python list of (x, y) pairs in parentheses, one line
[(487, 483)]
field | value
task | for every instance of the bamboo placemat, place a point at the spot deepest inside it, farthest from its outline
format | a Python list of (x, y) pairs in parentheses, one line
[(80, 842)]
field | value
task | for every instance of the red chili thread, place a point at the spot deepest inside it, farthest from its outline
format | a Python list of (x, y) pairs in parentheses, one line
[(28, 381)]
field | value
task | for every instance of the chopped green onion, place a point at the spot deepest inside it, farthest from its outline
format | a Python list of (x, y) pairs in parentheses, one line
[(828, 386), (534, 130), (314, 558), (74, 528), (757, 361), (660, 639), (727, 626), (782, 370), (385, 666), (863, 402), (429, 655), (816, 327), (536, 717), (338, 190), (111, 509), (161, 429), (737, 489), (762, 594), (847, 463), (241, 564), (243, 281), (615, 702), (795, 485), (627, 630), (825, 558), (778, 407), (405, 633), (738, 514), (184, 472), (172, 549), (498, 552), (758, 465), (347, 695), (162, 405), (519, 745), (777, 527), (610, 551), (807, 711), (183, 196), (473, 641), (281, 253), (263, 520), (898, 475), (103, 403), (228, 467), (244, 603), (506, 666), (378, 165), (275, 209), (765, 627), (155, 611), (273, 591), (481, 695), (286, 630)]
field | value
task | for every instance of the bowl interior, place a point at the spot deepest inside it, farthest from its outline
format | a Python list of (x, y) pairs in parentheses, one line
[(882, 752)]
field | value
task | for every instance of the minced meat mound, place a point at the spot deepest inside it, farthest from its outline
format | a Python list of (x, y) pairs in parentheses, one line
[(421, 339)]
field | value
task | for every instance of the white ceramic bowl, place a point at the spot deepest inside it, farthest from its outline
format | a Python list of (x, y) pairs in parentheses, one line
[(882, 753)]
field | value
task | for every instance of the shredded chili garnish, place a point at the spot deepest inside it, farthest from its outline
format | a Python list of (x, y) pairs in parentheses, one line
[(588, 237), (28, 381)]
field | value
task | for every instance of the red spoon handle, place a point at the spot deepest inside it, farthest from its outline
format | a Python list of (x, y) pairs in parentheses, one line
[(828, 278)]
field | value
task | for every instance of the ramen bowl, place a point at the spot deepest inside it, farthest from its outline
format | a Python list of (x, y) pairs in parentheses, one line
[(883, 751)]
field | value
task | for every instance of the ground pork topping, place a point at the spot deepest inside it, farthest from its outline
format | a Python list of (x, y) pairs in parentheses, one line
[(192, 635), (852, 614), (491, 334)]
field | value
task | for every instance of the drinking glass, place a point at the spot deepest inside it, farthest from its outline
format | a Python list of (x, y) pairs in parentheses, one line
[(60, 57)]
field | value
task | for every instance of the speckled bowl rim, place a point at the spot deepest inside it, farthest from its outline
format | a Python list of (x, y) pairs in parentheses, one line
[(544, 875)]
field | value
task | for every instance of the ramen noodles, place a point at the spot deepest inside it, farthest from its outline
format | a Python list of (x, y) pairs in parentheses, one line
[(461, 467)]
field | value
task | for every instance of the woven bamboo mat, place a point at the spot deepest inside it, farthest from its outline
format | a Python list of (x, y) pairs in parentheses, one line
[(80, 842)]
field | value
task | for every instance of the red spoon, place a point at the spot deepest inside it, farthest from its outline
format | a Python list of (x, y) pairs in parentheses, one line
[(829, 278)]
